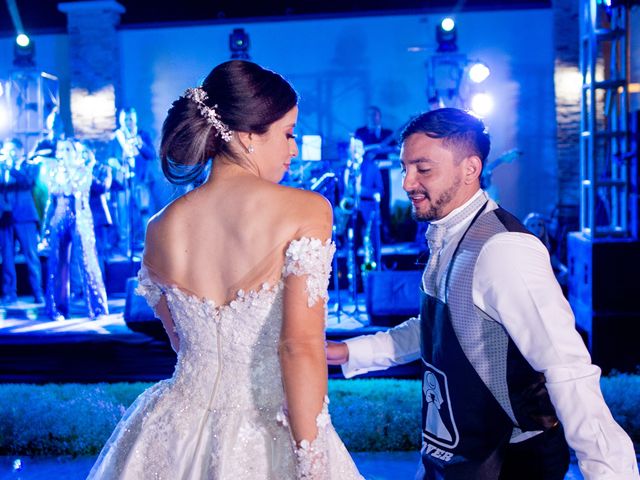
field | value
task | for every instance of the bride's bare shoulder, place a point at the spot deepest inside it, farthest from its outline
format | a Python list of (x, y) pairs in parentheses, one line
[(305, 202), (307, 210), (167, 218), (166, 232)]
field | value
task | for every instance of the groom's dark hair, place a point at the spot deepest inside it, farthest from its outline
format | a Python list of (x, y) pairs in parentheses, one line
[(459, 131)]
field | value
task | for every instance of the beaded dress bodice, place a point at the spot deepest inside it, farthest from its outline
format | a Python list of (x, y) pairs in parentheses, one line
[(235, 346), (226, 395)]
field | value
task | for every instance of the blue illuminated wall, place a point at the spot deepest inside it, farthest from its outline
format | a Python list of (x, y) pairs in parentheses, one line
[(341, 65)]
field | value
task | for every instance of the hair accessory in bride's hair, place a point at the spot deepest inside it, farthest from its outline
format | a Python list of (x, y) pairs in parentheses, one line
[(198, 95)]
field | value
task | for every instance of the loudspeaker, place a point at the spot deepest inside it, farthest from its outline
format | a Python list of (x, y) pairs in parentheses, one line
[(138, 316), (392, 296), (117, 271), (603, 292)]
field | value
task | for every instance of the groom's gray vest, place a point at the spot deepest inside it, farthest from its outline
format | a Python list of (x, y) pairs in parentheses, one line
[(479, 390)]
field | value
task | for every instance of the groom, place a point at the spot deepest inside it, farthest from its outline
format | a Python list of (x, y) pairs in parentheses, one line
[(506, 376)]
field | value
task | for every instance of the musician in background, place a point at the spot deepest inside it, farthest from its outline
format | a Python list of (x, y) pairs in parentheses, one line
[(131, 154), (98, 201), (373, 133), (374, 184), (44, 150), (69, 177), (102, 220), (19, 219)]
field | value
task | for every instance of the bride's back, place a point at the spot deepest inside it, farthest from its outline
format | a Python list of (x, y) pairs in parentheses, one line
[(230, 234)]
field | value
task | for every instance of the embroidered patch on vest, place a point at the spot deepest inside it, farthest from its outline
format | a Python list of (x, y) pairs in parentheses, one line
[(440, 426)]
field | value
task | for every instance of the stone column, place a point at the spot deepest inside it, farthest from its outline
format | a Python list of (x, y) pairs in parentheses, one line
[(94, 66)]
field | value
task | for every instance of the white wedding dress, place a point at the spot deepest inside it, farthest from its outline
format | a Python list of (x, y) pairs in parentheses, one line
[(220, 416)]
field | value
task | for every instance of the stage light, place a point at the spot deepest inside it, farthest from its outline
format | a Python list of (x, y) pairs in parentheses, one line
[(239, 44), (23, 40), (24, 52), (447, 36), (481, 104), (448, 24), (479, 72)]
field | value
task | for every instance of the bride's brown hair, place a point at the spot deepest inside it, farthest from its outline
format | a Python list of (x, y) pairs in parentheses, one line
[(246, 97)]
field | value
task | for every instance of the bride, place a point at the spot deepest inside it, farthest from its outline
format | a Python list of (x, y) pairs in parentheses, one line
[(237, 270)]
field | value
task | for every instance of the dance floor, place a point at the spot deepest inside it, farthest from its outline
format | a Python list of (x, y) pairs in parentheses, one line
[(372, 465), (34, 349)]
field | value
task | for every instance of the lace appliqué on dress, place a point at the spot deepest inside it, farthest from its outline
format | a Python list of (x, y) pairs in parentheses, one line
[(312, 257), (147, 288), (312, 461)]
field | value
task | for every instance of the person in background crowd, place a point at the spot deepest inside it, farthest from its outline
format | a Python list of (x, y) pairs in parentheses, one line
[(374, 182), (19, 219), (102, 223), (69, 179), (132, 151), (45, 149)]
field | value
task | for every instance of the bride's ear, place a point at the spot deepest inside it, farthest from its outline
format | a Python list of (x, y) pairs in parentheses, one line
[(245, 140)]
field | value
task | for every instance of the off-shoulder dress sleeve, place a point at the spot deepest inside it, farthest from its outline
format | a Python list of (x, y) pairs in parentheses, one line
[(147, 288), (312, 257)]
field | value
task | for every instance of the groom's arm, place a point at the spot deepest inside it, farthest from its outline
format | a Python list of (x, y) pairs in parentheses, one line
[(369, 353)]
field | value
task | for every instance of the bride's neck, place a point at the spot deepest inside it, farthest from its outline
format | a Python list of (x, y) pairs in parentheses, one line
[(224, 167)]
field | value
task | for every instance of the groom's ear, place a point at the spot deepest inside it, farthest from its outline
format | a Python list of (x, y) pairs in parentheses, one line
[(472, 169)]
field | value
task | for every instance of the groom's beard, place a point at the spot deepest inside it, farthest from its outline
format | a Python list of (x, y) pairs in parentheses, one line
[(436, 207)]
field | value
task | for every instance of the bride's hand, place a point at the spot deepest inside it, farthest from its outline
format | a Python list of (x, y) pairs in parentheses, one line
[(337, 353)]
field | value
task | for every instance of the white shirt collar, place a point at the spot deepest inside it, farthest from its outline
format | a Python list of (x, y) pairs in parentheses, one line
[(463, 224)]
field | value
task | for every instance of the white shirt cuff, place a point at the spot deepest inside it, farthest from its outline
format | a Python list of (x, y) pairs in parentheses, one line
[(360, 356)]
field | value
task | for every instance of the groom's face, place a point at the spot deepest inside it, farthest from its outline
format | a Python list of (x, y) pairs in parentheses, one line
[(433, 177)]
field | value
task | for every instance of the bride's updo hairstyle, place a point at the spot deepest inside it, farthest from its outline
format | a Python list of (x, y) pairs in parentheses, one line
[(237, 96)]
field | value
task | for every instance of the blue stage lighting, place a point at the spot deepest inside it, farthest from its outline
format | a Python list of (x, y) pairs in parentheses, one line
[(479, 72), (23, 40), (239, 44), (448, 24), (482, 104), (446, 36), (24, 51)]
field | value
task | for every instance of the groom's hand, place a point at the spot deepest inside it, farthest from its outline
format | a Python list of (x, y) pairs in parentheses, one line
[(337, 353)]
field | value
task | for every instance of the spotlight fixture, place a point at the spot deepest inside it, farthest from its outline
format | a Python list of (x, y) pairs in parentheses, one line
[(481, 104), (23, 40), (239, 44), (23, 52), (446, 36), (448, 24), (479, 72)]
